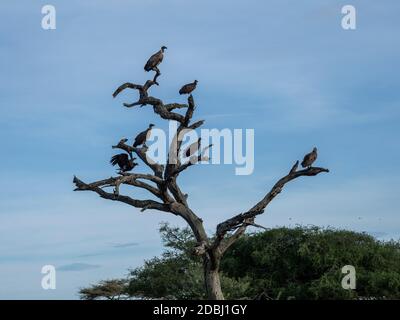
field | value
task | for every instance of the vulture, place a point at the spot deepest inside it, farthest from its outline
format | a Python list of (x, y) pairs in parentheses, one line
[(309, 159), (193, 148), (188, 88), (124, 163), (142, 137), (155, 60)]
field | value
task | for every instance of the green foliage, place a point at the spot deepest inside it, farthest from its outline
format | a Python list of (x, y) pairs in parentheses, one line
[(178, 274), (306, 263), (114, 289), (282, 263), (167, 277), (175, 275)]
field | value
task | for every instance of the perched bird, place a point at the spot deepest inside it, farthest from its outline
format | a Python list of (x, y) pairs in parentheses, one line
[(124, 162), (188, 88), (193, 148), (309, 159), (142, 137), (155, 60), (122, 141)]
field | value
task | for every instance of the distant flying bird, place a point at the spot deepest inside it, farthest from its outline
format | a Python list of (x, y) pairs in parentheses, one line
[(193, 148), (142, 137), (188, 88), (124, 163), (309, 159), (155, 59)]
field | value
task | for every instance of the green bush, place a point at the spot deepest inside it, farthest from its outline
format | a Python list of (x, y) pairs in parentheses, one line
[(282, 263)]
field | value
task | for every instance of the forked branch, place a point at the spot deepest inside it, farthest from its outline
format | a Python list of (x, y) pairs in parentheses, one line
[(242, 220), (142, 204)]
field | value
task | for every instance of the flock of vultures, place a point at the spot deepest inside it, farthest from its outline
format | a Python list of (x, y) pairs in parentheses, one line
[(126, 162)]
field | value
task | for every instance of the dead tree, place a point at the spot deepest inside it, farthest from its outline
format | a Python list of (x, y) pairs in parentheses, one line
[(162, 183)]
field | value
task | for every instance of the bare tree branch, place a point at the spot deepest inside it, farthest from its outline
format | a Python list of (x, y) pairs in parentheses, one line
[(222, 246), (193, 160), (131, 179), (240, 219), (148, 204), (172, 106), (176, 191), (142, 89), (196, 125), (190, 110), (144, 176), (158, 108), (127, 85)]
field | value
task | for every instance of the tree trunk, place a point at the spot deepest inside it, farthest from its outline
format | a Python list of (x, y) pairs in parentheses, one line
[(212, 280)]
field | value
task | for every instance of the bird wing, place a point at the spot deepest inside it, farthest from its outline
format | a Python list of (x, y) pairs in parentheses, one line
[(114, 160), (153, 61), (140, 138), (184, 89), (187, 88), (119, 159), (305, 161)]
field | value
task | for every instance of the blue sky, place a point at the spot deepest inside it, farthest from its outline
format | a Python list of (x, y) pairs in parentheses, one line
[(286, 69)]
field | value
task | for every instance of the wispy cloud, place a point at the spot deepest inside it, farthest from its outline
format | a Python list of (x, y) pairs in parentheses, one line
[(89, 255), (78, 267), (125, 245)]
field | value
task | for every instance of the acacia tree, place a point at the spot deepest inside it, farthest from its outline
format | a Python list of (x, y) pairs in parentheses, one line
[(114, 289), (162, 183)]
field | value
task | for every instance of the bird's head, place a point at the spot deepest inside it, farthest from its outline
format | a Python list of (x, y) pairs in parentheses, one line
[(315, 149), (163, 48), (151, 125), (195, 81)]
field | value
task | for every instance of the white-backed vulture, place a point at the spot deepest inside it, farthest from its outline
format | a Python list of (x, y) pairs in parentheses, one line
[(155, 59), (309, 158), (142, 137), (124, 163), (188, 88)]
